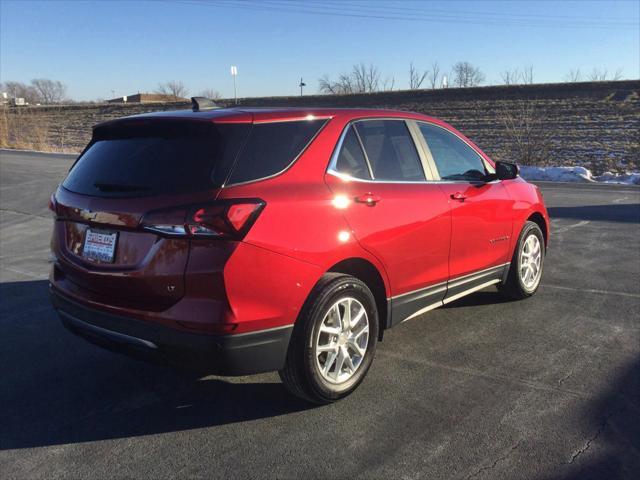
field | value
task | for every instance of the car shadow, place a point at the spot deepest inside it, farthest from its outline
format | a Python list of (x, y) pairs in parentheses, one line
[(59, 389), (625, 213)]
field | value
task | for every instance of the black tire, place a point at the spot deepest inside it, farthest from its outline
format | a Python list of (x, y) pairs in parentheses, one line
[(301, 374), (514, 287)]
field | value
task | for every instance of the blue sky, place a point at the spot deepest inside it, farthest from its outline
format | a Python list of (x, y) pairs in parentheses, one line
[(128, 46)]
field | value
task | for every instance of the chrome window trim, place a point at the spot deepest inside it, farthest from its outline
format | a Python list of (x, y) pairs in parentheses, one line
[(303, 118), (293, 162), (430, 171), (349, 178), (332, 169)]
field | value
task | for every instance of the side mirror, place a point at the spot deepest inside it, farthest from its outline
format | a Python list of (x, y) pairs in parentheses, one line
[(506, 170)]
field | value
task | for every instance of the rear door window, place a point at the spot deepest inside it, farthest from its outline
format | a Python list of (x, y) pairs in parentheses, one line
[(155, 158), (272, 148), (454, 159), (390, 150), (351, 160)]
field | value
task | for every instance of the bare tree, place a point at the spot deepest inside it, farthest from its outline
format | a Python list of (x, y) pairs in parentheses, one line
[(598, 75), (210, 93), (49, 91), (466, 75), (601, 75), (573, 76), (361, 79), (529, 138), (347, 83), (325, 85), (388, 84), (14, 89), (527, 75), (21, 90), (173, 88), (416, 78), (510, 77), (367, 78), (434, 74)]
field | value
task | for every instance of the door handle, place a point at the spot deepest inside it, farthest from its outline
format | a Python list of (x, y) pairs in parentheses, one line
[(458, 196), (368, 199)]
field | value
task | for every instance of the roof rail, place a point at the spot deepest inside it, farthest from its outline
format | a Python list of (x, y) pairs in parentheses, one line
[(202, 103)]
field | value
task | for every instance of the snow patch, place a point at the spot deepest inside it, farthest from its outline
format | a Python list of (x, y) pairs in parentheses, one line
[(576, 174), (632, 178)]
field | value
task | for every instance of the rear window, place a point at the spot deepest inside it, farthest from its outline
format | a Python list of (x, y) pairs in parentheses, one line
[(272, 147), (156, 158)]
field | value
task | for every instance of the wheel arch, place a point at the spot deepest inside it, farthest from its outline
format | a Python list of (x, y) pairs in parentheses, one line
[(537, 218), (367, 272)]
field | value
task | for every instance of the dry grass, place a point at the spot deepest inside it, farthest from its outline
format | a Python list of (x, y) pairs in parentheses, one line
[(25, 131), (528, 137), (595, 126)]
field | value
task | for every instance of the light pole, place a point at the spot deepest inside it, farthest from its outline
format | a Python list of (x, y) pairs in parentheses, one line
[(234, 74), (302, 84)]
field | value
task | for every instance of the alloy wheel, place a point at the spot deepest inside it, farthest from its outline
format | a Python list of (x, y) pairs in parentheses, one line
[(531, 262), (341, 341)]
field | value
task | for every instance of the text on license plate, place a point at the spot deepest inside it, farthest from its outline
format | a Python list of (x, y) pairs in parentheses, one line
[(100, 246)]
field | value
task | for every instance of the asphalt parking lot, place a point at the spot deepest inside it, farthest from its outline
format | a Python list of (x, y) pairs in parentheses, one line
[(544, 388)]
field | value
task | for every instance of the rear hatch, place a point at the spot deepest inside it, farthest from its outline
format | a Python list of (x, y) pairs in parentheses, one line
[(121, 209)]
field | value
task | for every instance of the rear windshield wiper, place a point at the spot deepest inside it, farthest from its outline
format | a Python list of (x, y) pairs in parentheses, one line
[(118, 187)]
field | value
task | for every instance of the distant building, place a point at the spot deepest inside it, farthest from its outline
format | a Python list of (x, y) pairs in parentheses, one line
[(6, 99), (147, 98)]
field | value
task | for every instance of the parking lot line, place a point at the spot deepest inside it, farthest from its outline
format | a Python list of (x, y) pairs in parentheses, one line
[(592, 290)]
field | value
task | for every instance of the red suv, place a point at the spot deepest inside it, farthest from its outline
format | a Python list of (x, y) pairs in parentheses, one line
[(245, 240)]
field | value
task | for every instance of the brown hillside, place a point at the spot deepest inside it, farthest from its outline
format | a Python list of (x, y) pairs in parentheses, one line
[(594, 124)]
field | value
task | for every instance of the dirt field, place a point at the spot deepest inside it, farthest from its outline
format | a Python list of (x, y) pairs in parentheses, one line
[(592, 124)]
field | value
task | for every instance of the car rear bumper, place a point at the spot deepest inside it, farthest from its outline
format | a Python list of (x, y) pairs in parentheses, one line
[(235, 354)]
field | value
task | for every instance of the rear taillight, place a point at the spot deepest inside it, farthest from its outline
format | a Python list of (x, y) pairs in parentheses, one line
[(168, 222), (230, 219)]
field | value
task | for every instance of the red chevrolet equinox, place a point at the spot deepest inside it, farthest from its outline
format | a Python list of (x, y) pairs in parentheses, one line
[(245, 240)]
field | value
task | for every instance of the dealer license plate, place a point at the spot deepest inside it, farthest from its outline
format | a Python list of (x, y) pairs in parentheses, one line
[(100, 245)]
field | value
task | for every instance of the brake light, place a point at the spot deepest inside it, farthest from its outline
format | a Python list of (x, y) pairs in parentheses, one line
[(229, 219)]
